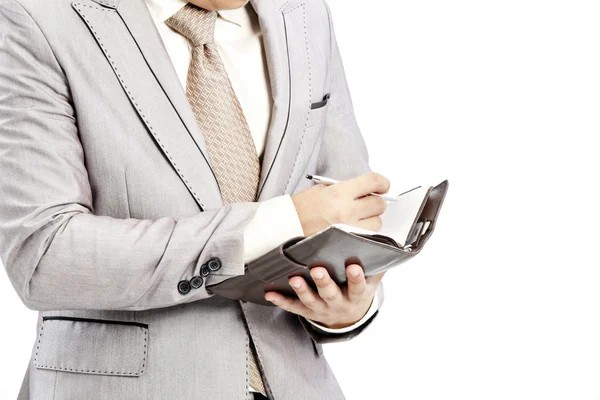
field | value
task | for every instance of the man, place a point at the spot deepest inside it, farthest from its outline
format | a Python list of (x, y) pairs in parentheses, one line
[(151, 148)]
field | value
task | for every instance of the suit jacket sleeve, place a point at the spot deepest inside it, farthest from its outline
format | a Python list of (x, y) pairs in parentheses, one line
[(341, 162), (57, 253)]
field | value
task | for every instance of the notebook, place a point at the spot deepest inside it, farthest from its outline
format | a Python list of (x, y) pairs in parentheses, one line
[(408, 223)]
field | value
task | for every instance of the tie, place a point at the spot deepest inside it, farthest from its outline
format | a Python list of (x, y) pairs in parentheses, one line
[(218, 113)]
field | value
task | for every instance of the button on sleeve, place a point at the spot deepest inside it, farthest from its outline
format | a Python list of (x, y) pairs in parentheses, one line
[(184, 287)]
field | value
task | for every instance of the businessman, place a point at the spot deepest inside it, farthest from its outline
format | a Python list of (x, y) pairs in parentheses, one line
[(150, 148)]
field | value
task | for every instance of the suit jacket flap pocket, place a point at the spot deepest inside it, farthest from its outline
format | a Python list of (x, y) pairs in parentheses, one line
[(317, 112), (92, 346)]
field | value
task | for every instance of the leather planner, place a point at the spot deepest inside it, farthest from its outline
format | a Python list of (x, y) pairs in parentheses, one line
[(407, 226)]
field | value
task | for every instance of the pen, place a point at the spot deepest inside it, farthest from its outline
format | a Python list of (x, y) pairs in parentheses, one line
[(328, 181)]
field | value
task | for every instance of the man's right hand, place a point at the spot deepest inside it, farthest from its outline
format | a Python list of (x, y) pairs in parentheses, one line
[(345, 202)]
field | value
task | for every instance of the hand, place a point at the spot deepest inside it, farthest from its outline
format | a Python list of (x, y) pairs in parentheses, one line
[(345, 202), (332, 307)]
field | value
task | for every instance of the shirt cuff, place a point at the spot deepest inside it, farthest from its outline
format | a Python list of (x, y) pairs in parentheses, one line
[(274, 222), (364, 319)]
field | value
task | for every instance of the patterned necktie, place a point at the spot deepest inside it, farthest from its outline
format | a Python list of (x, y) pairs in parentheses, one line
[(219, 114)]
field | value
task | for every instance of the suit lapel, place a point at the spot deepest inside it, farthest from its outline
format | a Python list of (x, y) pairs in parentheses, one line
[(283, 25), (151, 46), (275, 45), (127, 35)]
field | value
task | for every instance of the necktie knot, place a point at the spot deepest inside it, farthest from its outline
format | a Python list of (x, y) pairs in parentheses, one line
[(194, 23)]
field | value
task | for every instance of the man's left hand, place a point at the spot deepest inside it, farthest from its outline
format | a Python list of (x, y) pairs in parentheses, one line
[(332, 306)]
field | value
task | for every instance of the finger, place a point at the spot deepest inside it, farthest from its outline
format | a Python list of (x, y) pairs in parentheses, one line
[(288, 304), (307, 296), (327, 288), (372, 224), (371, 182), (370, 206), (357, 285), (373, 280)]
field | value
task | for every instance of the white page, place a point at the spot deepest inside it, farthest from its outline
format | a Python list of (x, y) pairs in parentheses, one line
[(401, 214), (398, 216)]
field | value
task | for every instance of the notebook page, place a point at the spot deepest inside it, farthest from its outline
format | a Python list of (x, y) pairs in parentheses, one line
[(398, 216)]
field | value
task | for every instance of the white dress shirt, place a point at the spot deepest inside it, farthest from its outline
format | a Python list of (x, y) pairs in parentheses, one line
[(239, 42)]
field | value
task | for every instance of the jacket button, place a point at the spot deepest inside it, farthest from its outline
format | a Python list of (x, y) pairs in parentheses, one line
[(196, 282), (214, 264), (204, 271), (184, 287)]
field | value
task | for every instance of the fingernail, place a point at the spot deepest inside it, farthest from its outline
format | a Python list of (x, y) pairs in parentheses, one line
[(297, 285), (318, 275), (354, 272)]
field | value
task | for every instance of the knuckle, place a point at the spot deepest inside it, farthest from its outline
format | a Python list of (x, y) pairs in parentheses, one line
[(382, 182), (285, 305), (377, 223), (330, 296), (357, 292), (310, 303), (322, 283), (385, 183), (346, 309), (327, 318), (381, 204), (374, 176), (301, 289), (378, 179)]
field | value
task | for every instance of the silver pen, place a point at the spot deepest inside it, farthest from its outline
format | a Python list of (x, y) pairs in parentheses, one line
[(328, 181)]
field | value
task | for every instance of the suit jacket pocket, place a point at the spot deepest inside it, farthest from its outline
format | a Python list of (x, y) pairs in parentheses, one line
[(321, 103), (92, 346), (317, 112)]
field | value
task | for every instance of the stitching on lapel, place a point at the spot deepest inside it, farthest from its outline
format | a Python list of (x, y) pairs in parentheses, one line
[(77, 6), (107, 5), (303, 6), (287, 121)]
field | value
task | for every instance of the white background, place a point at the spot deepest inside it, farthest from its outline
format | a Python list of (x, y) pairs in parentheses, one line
[(502, 98)]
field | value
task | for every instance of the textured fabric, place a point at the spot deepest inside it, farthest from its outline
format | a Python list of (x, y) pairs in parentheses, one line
[(58, 340), (108, 201), (218, 112), (240, 44), (254, 377)]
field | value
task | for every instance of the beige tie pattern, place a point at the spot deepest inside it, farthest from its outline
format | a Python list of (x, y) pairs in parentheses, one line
[(219, 114)]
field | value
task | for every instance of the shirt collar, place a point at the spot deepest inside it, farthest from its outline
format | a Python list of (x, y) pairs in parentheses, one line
[(161, 10)]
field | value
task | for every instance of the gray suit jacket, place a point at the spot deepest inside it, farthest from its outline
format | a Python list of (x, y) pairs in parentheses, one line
[(108, 200)]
